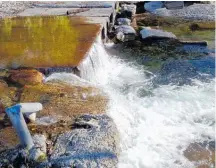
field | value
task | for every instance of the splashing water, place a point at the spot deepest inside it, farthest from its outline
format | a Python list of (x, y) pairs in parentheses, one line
[(156, 124)]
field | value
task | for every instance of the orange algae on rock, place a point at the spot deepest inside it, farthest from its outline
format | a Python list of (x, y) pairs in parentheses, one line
[(51, 41)]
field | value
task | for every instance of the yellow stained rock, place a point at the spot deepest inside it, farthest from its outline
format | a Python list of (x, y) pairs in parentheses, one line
[(25, 76), (50, 41)]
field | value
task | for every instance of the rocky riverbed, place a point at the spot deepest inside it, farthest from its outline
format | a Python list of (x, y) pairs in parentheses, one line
[(173, 48)]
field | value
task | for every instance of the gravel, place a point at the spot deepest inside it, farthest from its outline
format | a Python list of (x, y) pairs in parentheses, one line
[(196, 11), (11, 8)]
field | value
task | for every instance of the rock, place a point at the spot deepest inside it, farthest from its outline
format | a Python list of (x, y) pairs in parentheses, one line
[(123, 21), (65, 101), (25, 76), (36, 155), (3, 84), (6, 95), (40, 142), (174, 4), (2, 109), (199, 43), (93, 142), (201, 153), (194, 12), (125, 33), (148, 33), (129, 7), (184, 72), (152, 6)]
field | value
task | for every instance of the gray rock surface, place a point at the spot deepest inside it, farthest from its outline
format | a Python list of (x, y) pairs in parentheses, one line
[(129, 7), (75, 4), (147, 33), (11, 8), (174, 4), (152, 6), (123, 21), (196, 11), (93, 142), (125, 33)]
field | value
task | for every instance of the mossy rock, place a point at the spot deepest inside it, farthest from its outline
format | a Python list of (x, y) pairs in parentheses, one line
[(65, 101), (184, 29)]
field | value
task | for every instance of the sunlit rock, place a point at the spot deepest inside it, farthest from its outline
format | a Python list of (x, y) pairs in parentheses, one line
[(147, 33), (63, 100), (25, 76)]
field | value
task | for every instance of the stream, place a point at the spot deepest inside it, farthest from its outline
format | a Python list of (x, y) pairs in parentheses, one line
[(158, 111)]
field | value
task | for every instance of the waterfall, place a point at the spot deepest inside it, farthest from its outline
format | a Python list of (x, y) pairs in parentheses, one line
[(156, 124)]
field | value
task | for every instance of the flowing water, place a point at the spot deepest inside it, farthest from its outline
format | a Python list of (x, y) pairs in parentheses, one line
[(157, 120)]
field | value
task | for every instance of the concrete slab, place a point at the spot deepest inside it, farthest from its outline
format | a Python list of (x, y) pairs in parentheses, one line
[(96, 12), (56, 11), (44, 42), (45, 11), (33, 12), (75, 4)]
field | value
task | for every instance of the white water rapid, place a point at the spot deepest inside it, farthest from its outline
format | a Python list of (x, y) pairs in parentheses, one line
[(156, 124)]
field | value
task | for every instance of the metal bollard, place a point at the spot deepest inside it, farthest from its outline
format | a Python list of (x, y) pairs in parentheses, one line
[(16, 117)]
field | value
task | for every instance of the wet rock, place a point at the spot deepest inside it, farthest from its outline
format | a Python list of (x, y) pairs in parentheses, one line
[(198, 152), (25, 76), (184, 72), (93, 142), (148, 33), (123, 21), (125, 33), (174, 4), (152, 6)]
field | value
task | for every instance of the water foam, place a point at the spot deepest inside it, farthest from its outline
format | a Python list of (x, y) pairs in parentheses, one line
[(156, 124)]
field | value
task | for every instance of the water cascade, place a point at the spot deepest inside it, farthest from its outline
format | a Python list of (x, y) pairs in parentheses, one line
[(156, 123)]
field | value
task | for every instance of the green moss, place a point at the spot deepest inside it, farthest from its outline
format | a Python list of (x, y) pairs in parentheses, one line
[(183, 29), (57, 41), (42, 158)]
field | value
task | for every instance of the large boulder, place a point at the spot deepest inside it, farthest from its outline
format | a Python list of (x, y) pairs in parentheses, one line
[(92, 142), (148, 33), (25, 76)]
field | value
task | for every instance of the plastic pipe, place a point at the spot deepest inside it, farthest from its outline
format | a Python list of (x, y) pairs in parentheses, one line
[(30, 107), (15, 114)]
